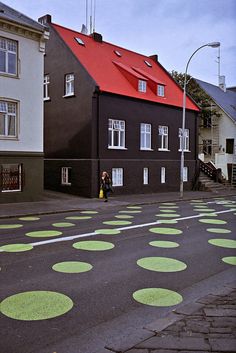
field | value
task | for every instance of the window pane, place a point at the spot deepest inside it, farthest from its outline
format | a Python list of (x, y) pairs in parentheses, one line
[(11, 126), (11, 63), (2, 124), (148, 141), (122, 139), (2, 61)]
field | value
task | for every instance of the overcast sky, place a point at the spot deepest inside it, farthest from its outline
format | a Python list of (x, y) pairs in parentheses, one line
[(173, 29)]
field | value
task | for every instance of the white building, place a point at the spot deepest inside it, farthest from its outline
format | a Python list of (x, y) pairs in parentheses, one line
[(217, 136), (22, 44)]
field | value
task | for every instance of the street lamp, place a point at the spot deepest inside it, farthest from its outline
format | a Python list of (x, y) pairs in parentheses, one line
[(212, 45)]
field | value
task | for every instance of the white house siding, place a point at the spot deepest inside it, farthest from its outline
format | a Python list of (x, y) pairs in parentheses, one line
[(27, 90)]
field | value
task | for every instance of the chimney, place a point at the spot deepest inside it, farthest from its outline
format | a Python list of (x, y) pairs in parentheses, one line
[(45, 19), (97, 37), (154, 57), (222, 84)]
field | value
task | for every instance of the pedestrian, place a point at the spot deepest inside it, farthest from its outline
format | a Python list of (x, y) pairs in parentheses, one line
[(106, 185)]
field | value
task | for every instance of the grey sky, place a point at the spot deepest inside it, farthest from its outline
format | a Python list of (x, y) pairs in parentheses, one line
[(173, 29)]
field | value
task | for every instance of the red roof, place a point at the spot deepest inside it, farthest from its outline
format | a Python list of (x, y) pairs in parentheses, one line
[(116, 73)]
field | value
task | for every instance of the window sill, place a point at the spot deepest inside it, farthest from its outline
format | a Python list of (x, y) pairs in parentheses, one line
[(46, 99), (163, 150), (68, 95), (146, 149), (5, 191), (116, 148), (184, 151), (9, 138), (5, 74), (66, 184)]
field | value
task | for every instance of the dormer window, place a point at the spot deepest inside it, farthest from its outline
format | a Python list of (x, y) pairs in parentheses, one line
[(142, 86), (161, 90)]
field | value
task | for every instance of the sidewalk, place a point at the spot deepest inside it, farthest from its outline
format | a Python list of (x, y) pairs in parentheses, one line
[(207, 325), (55, 202)]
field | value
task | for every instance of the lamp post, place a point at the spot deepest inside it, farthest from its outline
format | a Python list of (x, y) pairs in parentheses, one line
[(212, 45)]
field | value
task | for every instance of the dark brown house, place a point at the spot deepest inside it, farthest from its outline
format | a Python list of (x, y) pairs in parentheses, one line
[(108, 108)]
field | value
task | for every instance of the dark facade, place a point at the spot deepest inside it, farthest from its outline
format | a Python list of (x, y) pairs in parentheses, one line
[(76, 133)]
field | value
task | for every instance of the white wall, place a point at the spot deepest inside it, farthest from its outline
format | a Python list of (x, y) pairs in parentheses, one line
[(227, 130), (28, 90)]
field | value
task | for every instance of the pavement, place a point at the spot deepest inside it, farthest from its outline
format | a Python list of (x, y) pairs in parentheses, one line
[(206, 324)]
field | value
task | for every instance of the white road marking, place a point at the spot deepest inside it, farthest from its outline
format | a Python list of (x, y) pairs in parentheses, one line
[(85, 235)]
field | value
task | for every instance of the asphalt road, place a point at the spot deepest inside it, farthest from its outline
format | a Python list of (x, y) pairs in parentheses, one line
[(99, 306)]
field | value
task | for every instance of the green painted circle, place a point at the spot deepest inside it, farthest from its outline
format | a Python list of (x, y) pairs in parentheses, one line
[(36, 305), (169, 207), (231, 260), (208, 214), (161, 264), (204, 210), (93, 245), (117, 223), (79, 217), (130, 211), (157, 297), (169, 211), (230, 205), (164, 244), (171, 231), (63, 225), (134, 207), (224, 243), (200, 206), (198, 201), (212, 221), (168, 221), (29, 218), (124, 216), (16, 247), (10, 226), (218, 230), (89, 212), (168, 215), (72, 267), (168, 204), (107, 231), (43, 233)]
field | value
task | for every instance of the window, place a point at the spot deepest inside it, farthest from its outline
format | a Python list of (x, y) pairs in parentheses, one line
[(185, 174), (186, 140), (116, 134), (145, 176), (206, 121), (10, 177), (160, 90), (142, 86), (66, 175), (230, 146), (46, 82), (8, 117), (117, 176), (8, 56), (207, 147), (163, 135), (163, 175), (69, 84), (145, 136)]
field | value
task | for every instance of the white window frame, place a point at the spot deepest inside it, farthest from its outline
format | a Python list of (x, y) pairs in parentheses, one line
[(46, 82), (9, 47), (69, 85), (142, 86), (163, 175), (186, 140), (185, 174), (17, 168), (161, 91), (145, 136), (116, 131), (117, 176), (8, 112), (145, 176), (163, 131), (65, 175)]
